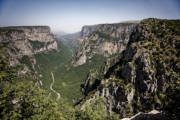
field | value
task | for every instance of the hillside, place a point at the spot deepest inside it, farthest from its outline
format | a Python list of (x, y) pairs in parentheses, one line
[(103, 39), (146, 77), (122, 70), (21, 43)]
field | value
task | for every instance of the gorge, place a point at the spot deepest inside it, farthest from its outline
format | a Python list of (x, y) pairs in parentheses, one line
[(103, 72)]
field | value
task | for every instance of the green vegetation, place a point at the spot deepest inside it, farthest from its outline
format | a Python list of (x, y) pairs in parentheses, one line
[(68, 79), (103, 35), (160, 40), (52, 61), (6, 73), (9, 30), (26, 60), (95, 110), (37, 44), (21, 99)]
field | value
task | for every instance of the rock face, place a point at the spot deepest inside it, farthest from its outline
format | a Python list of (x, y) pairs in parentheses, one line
[(23, 42), (28, 40), (145, 77), (104, 39)]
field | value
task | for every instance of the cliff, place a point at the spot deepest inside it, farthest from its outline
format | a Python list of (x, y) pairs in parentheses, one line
[(28, 40), (140, 78), (21, 43), (146, 76), (103, 39)]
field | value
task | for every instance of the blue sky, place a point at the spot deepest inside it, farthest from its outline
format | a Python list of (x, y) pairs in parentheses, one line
[(70, 15)]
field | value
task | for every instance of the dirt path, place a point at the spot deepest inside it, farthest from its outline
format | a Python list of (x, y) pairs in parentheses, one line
[(51, 87)]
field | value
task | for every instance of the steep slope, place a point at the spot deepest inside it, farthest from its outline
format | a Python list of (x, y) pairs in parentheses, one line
[(21, 43), (147, 74), (20, 98), (68, 79), (128, 68), (28, 40), (103, 39)]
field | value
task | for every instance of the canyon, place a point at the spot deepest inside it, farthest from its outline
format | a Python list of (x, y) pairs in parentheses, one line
[(128, 67)]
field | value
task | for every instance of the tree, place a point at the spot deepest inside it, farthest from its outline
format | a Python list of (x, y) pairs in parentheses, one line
[(25, 101)]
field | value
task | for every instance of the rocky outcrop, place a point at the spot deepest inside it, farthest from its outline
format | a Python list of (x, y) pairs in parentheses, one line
[(103, 39), (144, 77), (21, 43), (28, 40)]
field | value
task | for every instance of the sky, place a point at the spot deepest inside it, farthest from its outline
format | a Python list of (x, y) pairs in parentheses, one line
[(70, 15)]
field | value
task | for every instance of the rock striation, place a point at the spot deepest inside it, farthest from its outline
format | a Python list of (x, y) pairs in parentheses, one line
[(103, 39)]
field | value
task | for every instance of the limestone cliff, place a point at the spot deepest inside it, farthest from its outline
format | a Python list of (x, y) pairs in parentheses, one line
[(22, 42), (103, 39), (146, 76)]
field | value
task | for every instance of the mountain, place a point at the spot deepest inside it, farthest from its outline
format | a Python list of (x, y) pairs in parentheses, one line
[(124, 70), (22, 43), (146, 76), (21, 93), (103, 39), (28, 39)]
